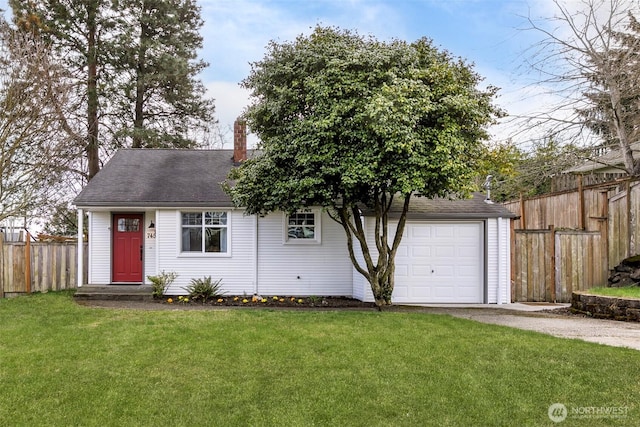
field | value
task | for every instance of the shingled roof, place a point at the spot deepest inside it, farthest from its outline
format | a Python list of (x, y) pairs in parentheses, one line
[(160, 178), (475, 207), (141, 178)]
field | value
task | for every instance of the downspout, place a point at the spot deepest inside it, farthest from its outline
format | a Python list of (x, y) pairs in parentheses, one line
[(80, 248), (255, 256), (499, 299)]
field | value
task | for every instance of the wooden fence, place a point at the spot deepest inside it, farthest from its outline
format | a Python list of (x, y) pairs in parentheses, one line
[(51, 266), (570, 240), (550, 264)]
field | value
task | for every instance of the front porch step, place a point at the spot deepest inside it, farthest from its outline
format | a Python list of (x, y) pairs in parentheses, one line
[(114, 292)]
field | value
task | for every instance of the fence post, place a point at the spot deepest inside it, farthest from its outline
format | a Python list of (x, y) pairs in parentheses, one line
[(27, 263), (1, 265), (512, 251), (523, 213), (581, 214), (604, 228), (628, 200), (554, 276)]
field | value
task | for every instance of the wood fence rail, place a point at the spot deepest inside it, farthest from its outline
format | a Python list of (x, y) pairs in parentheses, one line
[(38, 267)]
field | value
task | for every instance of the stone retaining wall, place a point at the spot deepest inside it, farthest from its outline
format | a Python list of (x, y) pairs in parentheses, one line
[(606, 307)]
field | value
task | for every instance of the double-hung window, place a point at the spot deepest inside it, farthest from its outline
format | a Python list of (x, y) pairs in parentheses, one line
[(204, 232), (303, 226)]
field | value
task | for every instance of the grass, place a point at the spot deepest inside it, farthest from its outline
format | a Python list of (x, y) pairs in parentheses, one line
[(625, 292), (64, 364)]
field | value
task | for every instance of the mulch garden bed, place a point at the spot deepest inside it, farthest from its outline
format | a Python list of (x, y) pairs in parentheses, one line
[(271, 301)]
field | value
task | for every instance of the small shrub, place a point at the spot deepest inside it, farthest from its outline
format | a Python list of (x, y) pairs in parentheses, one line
[(161, 282), (205, 289), (314, 299)]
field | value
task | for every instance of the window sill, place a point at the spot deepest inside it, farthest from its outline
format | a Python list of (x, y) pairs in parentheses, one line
[(297, 242), (204, 255)]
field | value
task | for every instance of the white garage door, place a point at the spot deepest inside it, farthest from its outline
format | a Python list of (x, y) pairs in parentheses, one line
[(440, 263)]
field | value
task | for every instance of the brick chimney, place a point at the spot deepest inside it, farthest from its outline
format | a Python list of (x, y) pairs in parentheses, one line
[(239, 141)]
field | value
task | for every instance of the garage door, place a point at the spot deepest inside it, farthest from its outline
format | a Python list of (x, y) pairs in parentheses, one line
[(440, 263)]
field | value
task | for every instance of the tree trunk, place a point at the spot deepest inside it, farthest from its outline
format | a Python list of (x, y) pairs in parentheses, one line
[(93, 152), (383, 288), (380, 275), (138, 120)]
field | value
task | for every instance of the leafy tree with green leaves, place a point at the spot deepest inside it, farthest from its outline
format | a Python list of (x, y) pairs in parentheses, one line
[(528, 172), (500, 160), (354, 124)]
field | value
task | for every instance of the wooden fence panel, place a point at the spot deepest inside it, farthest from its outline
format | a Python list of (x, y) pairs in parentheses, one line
[(54, 267), (634, 221), (618, 230), (597, 227), (580, 262), (532, 269), (550, 264)]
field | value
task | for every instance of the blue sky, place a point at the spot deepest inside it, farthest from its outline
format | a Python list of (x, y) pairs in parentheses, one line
[(485, 32)]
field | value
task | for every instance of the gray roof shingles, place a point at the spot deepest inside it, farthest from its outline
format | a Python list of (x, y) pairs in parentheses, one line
[(473, 208), (135, 178), (160, 178)]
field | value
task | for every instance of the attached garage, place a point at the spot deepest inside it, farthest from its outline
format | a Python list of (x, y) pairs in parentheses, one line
[(452, 252), (440, 262)]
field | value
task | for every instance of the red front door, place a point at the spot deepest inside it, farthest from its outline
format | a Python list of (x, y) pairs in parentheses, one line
[(127, 248)]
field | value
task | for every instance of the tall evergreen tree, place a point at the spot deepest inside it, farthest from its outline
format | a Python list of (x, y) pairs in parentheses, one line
[(136, 69), (75, 29), (162, 102)]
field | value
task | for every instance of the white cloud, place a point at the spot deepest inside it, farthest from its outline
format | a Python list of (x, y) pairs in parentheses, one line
[(230, 100)]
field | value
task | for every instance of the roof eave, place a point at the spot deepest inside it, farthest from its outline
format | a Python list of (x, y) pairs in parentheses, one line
[(151, 204)]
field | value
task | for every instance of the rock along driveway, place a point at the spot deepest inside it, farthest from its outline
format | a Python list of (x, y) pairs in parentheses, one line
[(542, 318)]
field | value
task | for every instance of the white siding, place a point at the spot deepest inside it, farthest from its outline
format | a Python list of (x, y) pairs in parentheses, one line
[(235, 269), (283, 268), (303, 269), (498, 261), (99, 248)]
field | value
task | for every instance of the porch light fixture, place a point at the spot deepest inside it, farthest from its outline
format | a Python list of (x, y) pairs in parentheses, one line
[(152, 226)]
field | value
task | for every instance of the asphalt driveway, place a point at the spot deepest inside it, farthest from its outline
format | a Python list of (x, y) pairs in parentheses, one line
[(543, 318)]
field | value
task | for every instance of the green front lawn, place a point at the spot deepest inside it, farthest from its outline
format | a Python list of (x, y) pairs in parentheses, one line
[(63, 364), (626, 292)]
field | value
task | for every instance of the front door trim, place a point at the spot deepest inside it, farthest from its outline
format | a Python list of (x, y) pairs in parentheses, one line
[(127, 237)]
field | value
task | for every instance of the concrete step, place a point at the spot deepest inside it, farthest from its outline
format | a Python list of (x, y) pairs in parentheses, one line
[(114, 292)]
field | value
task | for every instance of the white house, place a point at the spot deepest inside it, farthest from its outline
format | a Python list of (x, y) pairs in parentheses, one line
[(153, 210)]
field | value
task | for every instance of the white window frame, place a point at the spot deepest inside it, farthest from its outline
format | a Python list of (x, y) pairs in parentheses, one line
[(202, 253), (317, 226)]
